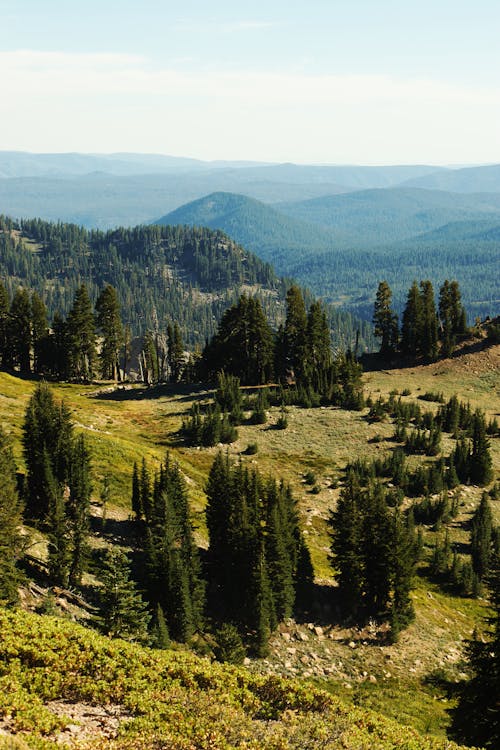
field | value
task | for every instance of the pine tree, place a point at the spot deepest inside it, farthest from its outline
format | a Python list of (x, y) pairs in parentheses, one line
[(446, 317), (429, 324), (80, 328), (385, 320), (173, 577), (47, 437), (59, 348), (404, 557), (57, 524), (20, 330), (377, 551), (136, 501), (78, 509), (481, 538), (159, 631), (5, 353), (480, 461), (175, 356), (123, 613), (40, 334), (476, 718), (11, 541), (295, 332), (110, 327), (411, 327), (243, 345), (346, 524)]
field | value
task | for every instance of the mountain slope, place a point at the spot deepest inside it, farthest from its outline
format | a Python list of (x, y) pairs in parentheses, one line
[(168, 699), (370, 217), (160, 273), (467, 180), (256, 225)]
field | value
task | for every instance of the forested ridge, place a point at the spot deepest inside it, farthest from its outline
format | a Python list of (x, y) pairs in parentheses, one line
[(161, 274)]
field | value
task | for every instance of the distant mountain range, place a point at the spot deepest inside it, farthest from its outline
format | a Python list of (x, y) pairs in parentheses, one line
[(342, 245), (338, 229)]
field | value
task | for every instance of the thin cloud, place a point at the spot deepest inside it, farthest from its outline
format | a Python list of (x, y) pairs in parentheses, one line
[(101, 101)]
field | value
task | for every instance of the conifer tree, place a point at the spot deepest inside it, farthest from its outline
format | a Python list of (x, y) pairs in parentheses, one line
[(136, 494), (40, 333), (377, 551), (78, 509), (59, 347), (173, 575), (346, 524), (47, 437), (80, 326), (5, 353), (243, 344), (20, 338), (404, 555), (159, 631), (480, 461), (476, 718), (11, 541), (110, 327), (385, 320), (175, 355), (411, 326), (123, 613), (295, 332), (429, 328), (481, 538), (59, 553), (451, 314)]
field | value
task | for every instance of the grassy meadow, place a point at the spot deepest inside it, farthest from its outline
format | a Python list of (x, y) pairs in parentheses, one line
[(402, 681)]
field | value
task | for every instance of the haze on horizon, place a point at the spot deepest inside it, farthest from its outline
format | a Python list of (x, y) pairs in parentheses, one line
[(327, 83)]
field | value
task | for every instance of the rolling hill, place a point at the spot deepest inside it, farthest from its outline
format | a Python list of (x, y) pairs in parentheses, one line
[(485, 179), (359, 238), (108, 190), (371, 217)]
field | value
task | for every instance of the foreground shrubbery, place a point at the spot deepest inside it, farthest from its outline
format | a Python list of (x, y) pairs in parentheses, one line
[(176, 699)]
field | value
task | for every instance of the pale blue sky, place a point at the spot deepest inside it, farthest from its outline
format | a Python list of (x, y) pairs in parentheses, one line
[(366, 81)]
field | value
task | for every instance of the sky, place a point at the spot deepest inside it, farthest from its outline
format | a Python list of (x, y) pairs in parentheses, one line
[(322, 81)]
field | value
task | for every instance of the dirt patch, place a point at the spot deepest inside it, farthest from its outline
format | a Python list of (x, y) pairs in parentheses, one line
[(88, 722)]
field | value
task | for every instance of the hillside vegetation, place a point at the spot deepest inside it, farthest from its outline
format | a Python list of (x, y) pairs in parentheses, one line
[(341, 245), (54, 673)]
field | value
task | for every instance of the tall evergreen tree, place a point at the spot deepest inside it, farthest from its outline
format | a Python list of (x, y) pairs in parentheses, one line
[(411, 326), (40, 333), (20, 337), (295, 332), (452, 315), (47, 439), (481, 538), (5, 353), (10, 525), (175, 356), (110, 327), (404, 555), (346, 524), (429, 324), (243, 344), (476, 718), (173, 576), (385, 320), (123, 613), (80, 327), (480, 461), (78, 508)]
